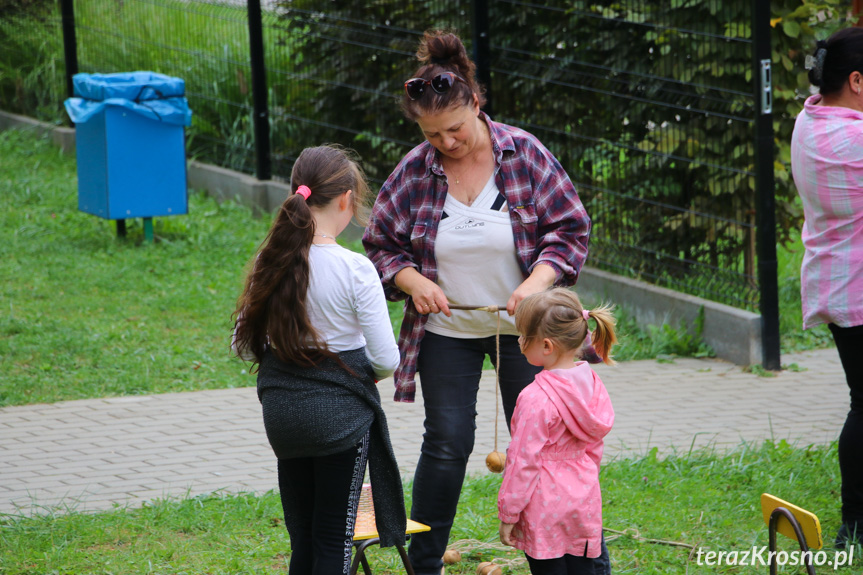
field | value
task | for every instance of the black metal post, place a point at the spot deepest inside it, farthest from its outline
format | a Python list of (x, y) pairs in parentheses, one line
[(261, 112), (765, 185), (481, 49), (70, 44), (70, 53), (772, 525)]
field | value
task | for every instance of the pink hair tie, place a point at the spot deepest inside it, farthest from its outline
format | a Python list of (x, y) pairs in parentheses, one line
[(585, 313), (304, 191)]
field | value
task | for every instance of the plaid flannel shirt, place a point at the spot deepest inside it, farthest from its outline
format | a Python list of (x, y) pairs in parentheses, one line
[(549, 223)]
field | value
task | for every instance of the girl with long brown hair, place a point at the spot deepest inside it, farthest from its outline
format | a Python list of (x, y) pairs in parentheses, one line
[(314, 320)]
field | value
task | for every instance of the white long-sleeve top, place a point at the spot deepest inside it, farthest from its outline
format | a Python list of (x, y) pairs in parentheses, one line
[(347, 307), (346, 304)]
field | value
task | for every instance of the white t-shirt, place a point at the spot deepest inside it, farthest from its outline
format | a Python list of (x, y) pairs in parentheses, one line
[(477, 265), (346, 304)]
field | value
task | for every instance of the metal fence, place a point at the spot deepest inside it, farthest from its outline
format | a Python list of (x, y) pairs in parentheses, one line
[(204, 43), (624, 107), (650, 106)]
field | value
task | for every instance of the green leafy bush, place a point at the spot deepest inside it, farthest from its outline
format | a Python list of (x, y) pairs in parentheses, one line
[(16, 7), (649, 106), (345, 83)]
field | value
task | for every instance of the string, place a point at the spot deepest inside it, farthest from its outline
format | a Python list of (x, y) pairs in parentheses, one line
[(496, 377), (488, 308), (491, 309)]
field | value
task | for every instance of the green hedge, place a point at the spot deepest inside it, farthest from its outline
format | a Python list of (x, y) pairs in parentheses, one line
[(32, 70), (646, 104)]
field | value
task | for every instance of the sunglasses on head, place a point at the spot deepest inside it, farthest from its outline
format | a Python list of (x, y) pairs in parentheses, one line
[(416, 87)]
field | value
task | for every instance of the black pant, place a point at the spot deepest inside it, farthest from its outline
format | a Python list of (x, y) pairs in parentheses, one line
[(572, 565), (450, 370), (849, 342), (320, 497)]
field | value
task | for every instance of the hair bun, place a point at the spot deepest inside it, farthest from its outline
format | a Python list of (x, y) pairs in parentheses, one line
[(442, 49)]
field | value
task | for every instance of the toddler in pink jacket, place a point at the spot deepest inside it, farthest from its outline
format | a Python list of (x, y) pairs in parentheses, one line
[(549, 504)]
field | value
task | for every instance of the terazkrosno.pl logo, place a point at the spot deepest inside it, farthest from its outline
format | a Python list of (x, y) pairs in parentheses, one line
[(762, 557)]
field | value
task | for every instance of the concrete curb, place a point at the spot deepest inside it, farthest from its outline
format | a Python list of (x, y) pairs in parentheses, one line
[(222, 184), (734, 334), (62, 136)]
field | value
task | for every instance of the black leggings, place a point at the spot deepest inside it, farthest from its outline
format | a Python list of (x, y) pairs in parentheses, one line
[(849, 342), (320, 497), (572, 564)]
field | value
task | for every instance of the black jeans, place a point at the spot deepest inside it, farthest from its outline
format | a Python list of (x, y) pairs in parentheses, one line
[(849, 342), (572, 564), (320, 497), (450, 370)]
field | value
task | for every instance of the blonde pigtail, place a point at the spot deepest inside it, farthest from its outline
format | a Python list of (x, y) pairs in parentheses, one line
[(604, 337)]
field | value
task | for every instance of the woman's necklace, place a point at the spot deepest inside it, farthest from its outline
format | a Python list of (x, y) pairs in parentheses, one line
[(454, 175), (480, 151), (325, 236)]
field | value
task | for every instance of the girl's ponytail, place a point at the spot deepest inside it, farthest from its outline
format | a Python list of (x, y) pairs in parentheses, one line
[(271, 312), (290, 332), (603, 337)]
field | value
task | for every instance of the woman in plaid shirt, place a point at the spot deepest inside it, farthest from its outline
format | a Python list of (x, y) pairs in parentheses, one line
[(480, 213)]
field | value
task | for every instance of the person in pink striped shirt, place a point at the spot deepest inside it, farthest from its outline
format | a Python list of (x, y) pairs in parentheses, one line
[(827, 166)]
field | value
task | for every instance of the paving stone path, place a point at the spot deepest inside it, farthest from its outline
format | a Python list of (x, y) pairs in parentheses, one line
[(96, 453)]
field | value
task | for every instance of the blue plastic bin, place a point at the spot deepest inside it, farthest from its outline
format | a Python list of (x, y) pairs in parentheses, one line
[(130, 144)]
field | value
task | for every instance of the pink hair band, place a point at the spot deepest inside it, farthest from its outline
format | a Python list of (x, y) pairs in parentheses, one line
[(585, 313), (304, 191)]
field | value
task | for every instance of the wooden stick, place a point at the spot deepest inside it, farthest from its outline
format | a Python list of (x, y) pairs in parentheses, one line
[(488, 308)]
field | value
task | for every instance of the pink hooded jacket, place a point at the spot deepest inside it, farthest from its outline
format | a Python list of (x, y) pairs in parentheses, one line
[(550, 485)]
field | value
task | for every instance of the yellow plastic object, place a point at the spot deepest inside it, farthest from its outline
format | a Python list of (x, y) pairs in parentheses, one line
[(809, 524), (365, 527), (369, 533)]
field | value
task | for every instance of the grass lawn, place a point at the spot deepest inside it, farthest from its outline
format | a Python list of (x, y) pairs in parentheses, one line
[(87, 315), (658, 513)]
